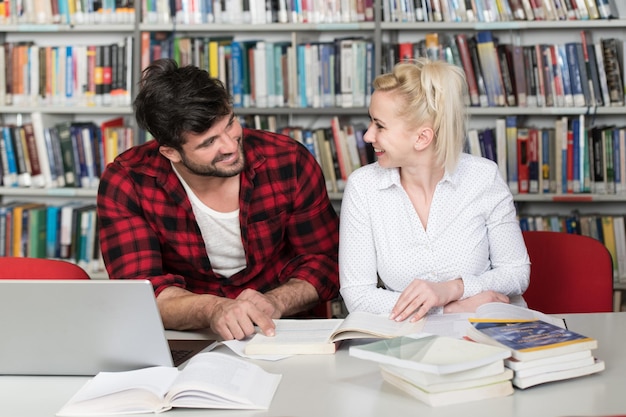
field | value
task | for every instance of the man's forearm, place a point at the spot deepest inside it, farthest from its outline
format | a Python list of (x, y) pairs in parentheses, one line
[(293, 297), (183, 310)]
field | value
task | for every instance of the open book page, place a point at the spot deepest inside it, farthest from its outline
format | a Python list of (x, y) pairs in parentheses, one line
[(360, 324), (318, 336), (209, 380), (141, 390), (228, 382), (456, 325), (510, 311), (296, 337)]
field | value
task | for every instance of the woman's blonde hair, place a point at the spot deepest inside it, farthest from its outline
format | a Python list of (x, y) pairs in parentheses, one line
[(433, 93)]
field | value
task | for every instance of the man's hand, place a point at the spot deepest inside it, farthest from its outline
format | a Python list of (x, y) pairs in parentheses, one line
[(264, 302), (470, 304), (235, 319)]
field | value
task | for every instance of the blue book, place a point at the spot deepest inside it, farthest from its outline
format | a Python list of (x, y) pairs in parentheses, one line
[(490, 67), (69, 73), (327, 72), (302, 84), (576, 85), (9, 166), (280, 77), (565, 75), (236, 52), (529, 340), (53, 248), (576, 183), (270, 76)]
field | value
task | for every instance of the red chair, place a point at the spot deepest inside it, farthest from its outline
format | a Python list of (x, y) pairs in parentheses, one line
[(569, 273), (38, 268)]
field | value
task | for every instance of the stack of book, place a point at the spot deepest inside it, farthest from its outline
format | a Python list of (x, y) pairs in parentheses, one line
[(440, 370), (541, 351)]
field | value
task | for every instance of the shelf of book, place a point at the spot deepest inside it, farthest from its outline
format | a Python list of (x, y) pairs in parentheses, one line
[(257, 28), (376, 26), (67, 109)]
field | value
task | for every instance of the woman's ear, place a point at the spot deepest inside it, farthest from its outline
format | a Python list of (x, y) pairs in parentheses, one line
[(425, 136)]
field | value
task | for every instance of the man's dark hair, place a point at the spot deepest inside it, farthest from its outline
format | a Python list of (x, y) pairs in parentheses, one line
[(173, 100)]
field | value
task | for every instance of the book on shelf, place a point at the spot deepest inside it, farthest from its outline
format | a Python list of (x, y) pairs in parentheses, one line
[(486, 47), (611, 49), (529, 339), (432, 354), (320, 336), (501, 388), (9, 161), (466, 60), (209, 380)]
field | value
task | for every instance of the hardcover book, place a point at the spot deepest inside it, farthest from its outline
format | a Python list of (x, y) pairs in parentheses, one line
[(529, 340)]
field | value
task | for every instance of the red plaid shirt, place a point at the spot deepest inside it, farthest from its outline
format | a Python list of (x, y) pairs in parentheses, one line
[(289, 228)]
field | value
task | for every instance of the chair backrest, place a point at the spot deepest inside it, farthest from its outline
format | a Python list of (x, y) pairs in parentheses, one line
[(38, 268), (569, 273)]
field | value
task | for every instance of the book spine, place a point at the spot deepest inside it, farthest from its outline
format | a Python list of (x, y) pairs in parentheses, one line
[(522, 161)]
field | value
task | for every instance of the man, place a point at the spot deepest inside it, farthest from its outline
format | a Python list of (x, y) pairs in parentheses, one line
[(232, 226)]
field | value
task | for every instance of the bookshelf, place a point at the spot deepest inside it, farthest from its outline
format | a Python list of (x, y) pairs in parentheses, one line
[(381, 30)]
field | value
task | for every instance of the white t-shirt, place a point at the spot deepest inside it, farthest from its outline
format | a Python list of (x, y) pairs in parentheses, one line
[(221, 233)]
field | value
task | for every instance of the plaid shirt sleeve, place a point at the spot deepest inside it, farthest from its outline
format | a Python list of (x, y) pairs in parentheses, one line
[(313, 230), (289, 208)]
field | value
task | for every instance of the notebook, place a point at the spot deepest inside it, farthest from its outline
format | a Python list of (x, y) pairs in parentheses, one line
[(82, 327)]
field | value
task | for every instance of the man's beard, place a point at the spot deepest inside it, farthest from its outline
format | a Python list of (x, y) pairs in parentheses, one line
[(212, 170)]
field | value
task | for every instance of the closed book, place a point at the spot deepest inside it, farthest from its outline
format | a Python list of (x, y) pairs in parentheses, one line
[(490, 65), (500, 389), (530, 381), (530, 339), (9, 161), (555, 367), (466, 60), (518, 365), (614, 76), (67, 153), (445, 386), (523, 173), (18, 138), (433, 354), (429, 379)]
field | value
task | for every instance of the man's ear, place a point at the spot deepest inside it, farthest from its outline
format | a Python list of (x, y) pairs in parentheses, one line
[(425, 136), (170, 153)]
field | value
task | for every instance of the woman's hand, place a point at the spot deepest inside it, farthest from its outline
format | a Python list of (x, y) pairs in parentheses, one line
[(420, 296), (470, 304)]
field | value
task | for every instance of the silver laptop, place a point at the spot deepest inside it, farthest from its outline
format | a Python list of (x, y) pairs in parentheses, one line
[(81, 327)]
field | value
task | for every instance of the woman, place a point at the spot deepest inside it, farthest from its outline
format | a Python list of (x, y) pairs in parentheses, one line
[(427, 228)]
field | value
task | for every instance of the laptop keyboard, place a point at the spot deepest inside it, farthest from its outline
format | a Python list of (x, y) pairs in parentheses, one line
[(181, 355)]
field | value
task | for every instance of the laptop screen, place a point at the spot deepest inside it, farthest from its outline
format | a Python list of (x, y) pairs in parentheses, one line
[(79, 327)]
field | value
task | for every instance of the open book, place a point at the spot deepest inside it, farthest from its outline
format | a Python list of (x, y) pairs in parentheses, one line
[(209, 380), (320, 336)]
